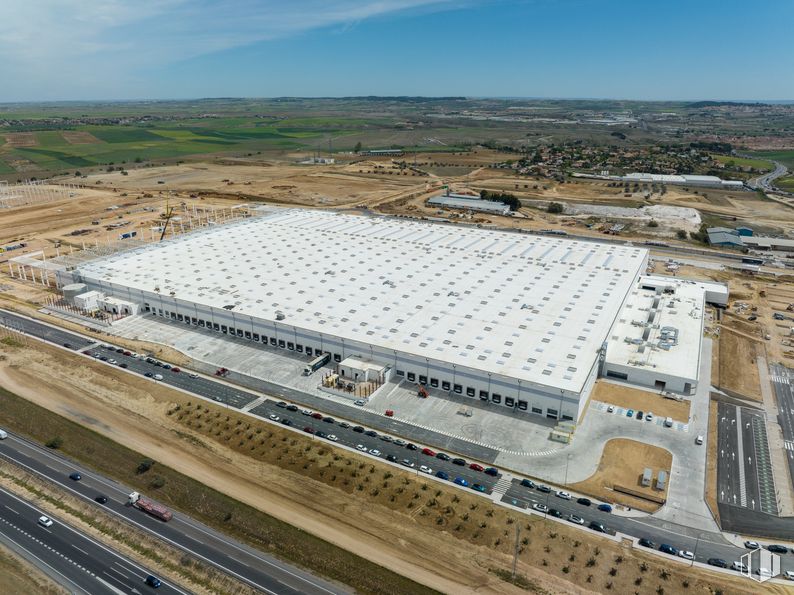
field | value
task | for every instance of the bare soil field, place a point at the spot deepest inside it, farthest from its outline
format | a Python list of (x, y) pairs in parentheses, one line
[(711, 462), (737, 366), (641, 400), (78, 137), (622, 463), (21, 139), (445, 538), (19, 576)]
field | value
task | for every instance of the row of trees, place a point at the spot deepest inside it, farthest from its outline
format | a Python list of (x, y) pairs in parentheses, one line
[(509, 199)]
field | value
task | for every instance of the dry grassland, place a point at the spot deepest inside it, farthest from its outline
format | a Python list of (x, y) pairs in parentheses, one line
[(641, 400), (19, 576)]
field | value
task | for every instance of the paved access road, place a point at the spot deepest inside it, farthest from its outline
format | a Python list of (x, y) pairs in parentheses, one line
[(259, 570), (784, 394), (77, 561)]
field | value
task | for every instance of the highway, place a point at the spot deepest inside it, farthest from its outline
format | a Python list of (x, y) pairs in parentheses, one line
[(75, 560), (766, 181), (705, 544), (259, 570)]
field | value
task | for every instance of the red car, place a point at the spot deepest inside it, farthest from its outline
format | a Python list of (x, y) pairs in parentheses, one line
[(476, 467), (308, 430), (128, 353), (175, 370), (428, 452), (317, 415), (389, 413)]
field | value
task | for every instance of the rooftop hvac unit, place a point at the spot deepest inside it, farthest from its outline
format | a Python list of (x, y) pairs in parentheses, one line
[(280, 315)]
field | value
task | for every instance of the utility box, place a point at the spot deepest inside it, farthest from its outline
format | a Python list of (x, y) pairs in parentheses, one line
[(661, 480), (647, 475)]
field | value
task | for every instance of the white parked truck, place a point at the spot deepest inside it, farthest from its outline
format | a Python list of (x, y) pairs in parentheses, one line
[(156, 510)]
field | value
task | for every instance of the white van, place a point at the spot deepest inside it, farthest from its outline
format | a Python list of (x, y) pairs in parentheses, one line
[(668, 422), (3, 434)]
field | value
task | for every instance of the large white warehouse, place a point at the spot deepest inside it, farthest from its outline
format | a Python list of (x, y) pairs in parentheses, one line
[(519, 320)]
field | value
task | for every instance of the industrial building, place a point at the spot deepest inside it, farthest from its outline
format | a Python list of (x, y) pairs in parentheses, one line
[(515, 319), (471, 203), (683, 180)]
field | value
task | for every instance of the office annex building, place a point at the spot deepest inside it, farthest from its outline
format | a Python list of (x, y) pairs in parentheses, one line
[(515, 319)]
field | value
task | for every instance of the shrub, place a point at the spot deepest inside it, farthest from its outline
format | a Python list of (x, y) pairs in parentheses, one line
[(144, 466), (157, 482), (555, 208), (54, 443)]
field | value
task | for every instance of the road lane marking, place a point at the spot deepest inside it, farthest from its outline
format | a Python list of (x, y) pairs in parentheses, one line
[(11, 509)]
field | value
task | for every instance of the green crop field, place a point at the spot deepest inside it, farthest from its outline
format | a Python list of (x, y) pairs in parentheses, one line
[(785, 157), (759, 164), (786, 183)]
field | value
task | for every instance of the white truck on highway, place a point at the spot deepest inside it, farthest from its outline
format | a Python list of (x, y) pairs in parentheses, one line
[(156, 510)]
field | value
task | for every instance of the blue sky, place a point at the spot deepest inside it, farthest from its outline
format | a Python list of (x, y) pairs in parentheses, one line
[(640, 49)]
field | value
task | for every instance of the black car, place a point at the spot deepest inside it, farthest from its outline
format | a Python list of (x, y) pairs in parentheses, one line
[(443, 456), (640, 415), (292, 407), (596, 526), (148, 374), (555, 513), (584, 501), (119, 350), (410, 446), (152, 581), (492, 471), (371, 433), (460, 462), (647, 543), (75, 476), (103, 358), (320, 434), (281, 404), (101, 499), (122, 365), (358, 429), (391, 458), (718, 562), (67, 345), (544, 489), (777, 549), (329, 420), (286, 422)]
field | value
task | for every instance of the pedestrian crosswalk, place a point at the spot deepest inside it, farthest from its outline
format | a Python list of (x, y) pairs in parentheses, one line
[(788, 444), (780, 379), (503, 484)]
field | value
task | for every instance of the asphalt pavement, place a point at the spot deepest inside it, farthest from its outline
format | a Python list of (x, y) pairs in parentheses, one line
[(259, 570), (784, 394), (81, 564)]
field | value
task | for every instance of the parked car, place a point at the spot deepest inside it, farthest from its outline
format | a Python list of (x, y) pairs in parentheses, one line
[(645, 542), (479, 487), (425, 469), (563, 495), (410, 446), (686, 555), (668, 549), (649, 416), (718, 562), (316, 415), (149, 374), (610, 409), (333, 438), (310, 430), (428, 452), (374, 452), (540, 507), (639, 415), (176, 370), (576, 519), (329, 420), (292, 407), (596, 526), (274, 417), (788, 574), (320, 434), (555, 513), (630, 413), (699, 440), (543, 488), (391, 458), (752, 545), (442, 475), (528, 483), (123, 365), (492, 471), (385, 438), (777, 549), (344, 424), (461, 482), (476, 467), (604, 508), (371, 433), (158, 377), (358, 429), (459, 462), (584, 501), (361, 447), (359, 402), (443, 456), (739, 566), (408, 463), (399, 442)]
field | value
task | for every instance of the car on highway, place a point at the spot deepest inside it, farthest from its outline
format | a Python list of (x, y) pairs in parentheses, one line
[(407, 463), (630, 413), (645, 542), (555, 513), (668, 549), (274, 417), (576, 519), (563, 495), (686, 555), (479, 487), (543, 488), (492, 471), (777, 549), (718, 562), (391, 458), (584, 501), (361, 447), (596, 526), (476, 467), (540, 507), (428, 452), (604, 508), (425, 469), (101, 499), (442, 475), (528, 483), (461, 482), (374, 452), (332, 438), (460, 462), (45, 521), (752, 545), (75, 476), (153, 581), (443, 456), (410, 446)]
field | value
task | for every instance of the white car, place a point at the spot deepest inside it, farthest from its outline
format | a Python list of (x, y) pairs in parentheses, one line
[(563, 495), (361, 447), (112, 361), (576, 519), (407, 463), (649, 416), (158, 376), (789, 574), (540, 507), (400, 442), (45, 521), (610, 409), (193, 376), (306, 412), (699, 440), (274, 417), (374, 452), (426, 469), (752, 545), (686, 554), (332, 437), (739, 566)]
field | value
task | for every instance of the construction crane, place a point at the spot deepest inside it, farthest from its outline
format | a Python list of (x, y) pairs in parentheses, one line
[(169, 212)]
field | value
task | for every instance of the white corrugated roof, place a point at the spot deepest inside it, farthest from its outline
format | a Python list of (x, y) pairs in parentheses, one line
[(536, 308)]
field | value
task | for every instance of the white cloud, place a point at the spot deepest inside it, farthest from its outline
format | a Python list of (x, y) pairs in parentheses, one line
[(47, 45)]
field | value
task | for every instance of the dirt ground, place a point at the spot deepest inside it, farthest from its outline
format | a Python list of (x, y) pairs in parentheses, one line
[(135, 412), (641, 400), (738, 370), (19, 576), (622, 463), (711, 462)]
